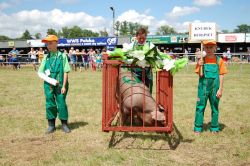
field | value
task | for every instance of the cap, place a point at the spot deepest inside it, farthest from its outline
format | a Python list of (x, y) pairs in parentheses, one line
[(209, 42), (50, 38)]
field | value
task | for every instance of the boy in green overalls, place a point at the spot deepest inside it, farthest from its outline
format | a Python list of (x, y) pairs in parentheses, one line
[(210, 86), (141, 36), (54, 71)]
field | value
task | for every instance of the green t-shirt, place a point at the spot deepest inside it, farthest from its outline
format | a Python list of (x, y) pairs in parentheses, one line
[(66, 67)]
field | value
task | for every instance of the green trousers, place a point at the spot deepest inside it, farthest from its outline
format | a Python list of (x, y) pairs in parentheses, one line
[(207, 89), (148, 76), (55, 102)]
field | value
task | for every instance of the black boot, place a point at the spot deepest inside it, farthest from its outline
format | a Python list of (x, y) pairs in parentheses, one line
[(65, 126), (51, 127)]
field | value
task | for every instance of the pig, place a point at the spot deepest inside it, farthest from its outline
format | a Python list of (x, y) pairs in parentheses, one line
[(132, 88)]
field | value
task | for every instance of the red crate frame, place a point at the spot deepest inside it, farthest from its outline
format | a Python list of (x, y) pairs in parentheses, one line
[(110, 105)]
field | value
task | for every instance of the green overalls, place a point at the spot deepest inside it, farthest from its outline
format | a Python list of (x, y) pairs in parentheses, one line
[(148, 70), (207, 89), (55, 101)]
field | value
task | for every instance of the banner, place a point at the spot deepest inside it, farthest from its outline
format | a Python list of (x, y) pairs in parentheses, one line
[(231, 38), (168, 39), (202, 31), (102, 41)]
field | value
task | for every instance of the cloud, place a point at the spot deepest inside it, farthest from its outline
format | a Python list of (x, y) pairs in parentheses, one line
[(67, 2), (147, 11), (178, 11), (39, 21), (142, 18), (134, 16), (4, 5), (184, 26), (207, 2)]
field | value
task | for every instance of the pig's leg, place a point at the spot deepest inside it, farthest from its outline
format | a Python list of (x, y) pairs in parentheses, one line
[(124, 116), (146, 117)]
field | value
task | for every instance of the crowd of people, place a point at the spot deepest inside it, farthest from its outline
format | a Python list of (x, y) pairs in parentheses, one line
[(82, 59), (92, 58), (85, 58)]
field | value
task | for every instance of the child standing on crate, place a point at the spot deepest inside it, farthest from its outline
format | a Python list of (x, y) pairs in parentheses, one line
[(210, 86), (139, 43)]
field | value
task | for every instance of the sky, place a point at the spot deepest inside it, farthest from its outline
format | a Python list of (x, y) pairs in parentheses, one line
[(39, 15)]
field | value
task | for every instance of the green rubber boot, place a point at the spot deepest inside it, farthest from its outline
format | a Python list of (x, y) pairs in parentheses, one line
[(65, 126), (51, 128)]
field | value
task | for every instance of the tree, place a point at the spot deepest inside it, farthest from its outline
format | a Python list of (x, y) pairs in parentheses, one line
[(51, 31), (104, 33), (38, 36), (128, 28), (225, 31), (124, 31), (65, 32), (3, 38), (132, 28), (89, 33), (165, 29), (26, 35), (243, 28), (117, 28), (75, 32)]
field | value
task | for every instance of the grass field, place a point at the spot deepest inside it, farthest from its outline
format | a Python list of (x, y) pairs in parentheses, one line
[(23, 124)]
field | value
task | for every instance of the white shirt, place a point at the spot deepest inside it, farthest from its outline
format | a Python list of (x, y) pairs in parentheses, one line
[(32, 54)]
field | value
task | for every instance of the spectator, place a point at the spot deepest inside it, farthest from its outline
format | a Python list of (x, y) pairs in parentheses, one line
[(224, 56), (104, 51), (171, 53), (40, 55), (229, 55), (99, 60), (197, 54), (72, 55), (86, 60), (92, 56), (248, 57), (32, 55), (1, 60), (185, 53), (66, 53), (12, 57), (79, 59), (83, 53)]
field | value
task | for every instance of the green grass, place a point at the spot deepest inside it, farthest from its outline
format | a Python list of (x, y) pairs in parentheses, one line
[(23, 123)]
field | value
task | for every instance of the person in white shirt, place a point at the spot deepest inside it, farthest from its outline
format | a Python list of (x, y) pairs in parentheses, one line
[(229, 55), (33, 57)]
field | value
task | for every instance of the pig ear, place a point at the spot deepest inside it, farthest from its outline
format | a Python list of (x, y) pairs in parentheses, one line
[(161, 108), (160, 116)]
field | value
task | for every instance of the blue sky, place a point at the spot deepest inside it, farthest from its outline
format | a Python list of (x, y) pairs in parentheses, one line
[(178, 13)]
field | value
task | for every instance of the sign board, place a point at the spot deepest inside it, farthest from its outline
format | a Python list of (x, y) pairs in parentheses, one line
[(202, 31), (167, 39), (103, 41), (247, 38), (11, 43), (35, 43), (232, 38)]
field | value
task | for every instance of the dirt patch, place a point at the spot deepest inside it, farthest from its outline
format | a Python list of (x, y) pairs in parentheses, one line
[(28, 149)]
